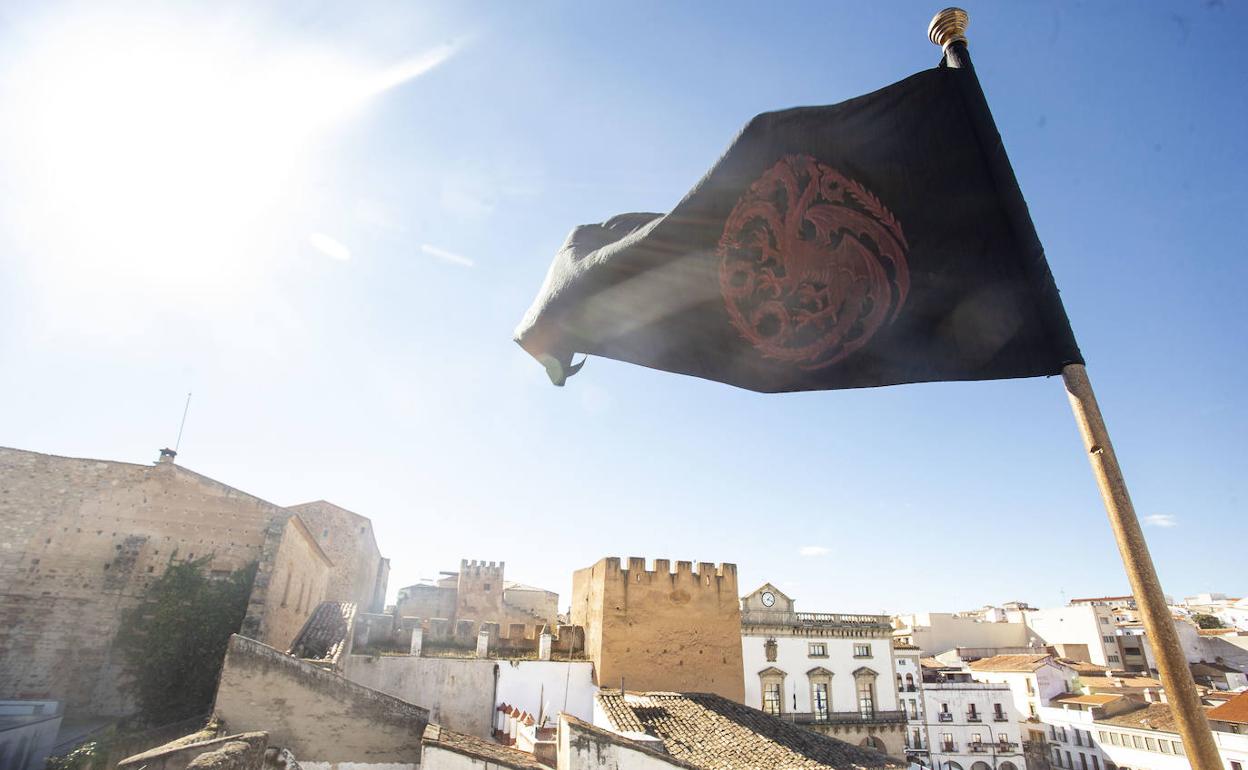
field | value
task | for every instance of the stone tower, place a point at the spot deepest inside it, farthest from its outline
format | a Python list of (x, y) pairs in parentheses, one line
[(661, 630), (480, 591)]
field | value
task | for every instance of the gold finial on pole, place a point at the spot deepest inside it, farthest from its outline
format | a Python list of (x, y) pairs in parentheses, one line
[(948, 27)]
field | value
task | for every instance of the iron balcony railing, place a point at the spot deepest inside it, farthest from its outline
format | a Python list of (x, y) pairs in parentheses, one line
[(973, 717), (1000, 747), (1000, 718), (845, 717), (945, 716)]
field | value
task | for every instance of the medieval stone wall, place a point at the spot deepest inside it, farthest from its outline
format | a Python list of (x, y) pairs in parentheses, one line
[(661, 630), (80, 540), (348, 539)]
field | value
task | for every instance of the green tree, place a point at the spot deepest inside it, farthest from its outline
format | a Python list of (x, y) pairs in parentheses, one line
[(173, 643), (1207, 621)]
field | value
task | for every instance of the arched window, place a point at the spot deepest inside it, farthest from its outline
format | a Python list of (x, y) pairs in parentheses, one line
[(952, 766), (900, 684), (1007, 765), (871, 742), (980, 766), (909, 682)]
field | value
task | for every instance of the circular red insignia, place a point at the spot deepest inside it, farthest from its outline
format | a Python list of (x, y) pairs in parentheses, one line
[(811, 264)]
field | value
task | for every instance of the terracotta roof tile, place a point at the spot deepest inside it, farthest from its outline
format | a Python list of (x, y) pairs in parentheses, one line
[(715, 733), (324, 635), (1154, 716), (479, 748), (1024, 663), (1234, 710)]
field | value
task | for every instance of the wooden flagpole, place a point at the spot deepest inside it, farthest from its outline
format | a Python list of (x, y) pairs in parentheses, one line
[(947, 30)]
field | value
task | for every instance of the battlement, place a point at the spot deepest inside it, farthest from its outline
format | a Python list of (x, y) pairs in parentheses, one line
[(481, 568), (705, 574)]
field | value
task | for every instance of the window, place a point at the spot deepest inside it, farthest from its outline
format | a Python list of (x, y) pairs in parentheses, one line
[(1113, 658), (820, 680), (1113, 739), (1083, 761), (1178, 749), (976, 740), (819, 701), (998, 712), (1078, 737), (914, 709), (1138, 741), (485, 587), (820, 650), (916, 740), (1096, 763), (1131, 650), (909, 682), (1151, 744), (972, 715), (1069, 762), (1104, 736), (1031, 709), (1165, 747), (1107, 639), (1236, 765), (862, 650), (944, 714), (1104, 621), (866, 697), (771, 684), (772, 701), (1057, 756), (1031, 686), (946, 742)]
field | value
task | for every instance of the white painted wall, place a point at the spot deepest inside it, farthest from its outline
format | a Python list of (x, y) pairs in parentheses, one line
[(793, 657), (1047, 682), (460, 692), (958, 697), (937, 632), (1082, 624)]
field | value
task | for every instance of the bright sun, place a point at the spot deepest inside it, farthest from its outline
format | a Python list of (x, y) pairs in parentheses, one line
[(154, 150)]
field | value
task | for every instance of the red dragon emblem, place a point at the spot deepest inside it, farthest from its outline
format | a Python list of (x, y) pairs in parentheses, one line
[(811, 264)]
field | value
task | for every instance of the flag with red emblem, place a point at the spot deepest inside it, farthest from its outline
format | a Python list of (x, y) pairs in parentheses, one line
[(855, 245)]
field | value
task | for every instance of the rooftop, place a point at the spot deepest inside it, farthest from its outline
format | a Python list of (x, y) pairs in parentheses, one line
[(324, 635), (1083, 667), (1022, 663), (1107, 682), (1234, 710), (479, 748), (1154, 716), (713, 732), (1087, 700)]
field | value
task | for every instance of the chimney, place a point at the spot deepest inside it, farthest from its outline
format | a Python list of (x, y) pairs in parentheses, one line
[(167, 455)]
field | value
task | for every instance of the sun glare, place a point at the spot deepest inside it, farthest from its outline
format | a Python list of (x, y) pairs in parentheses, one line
[(162, 152)]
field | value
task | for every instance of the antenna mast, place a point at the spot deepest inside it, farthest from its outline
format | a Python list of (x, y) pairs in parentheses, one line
[(185, 409)]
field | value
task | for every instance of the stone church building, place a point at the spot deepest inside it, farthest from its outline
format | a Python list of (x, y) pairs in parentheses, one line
[(81, 539)]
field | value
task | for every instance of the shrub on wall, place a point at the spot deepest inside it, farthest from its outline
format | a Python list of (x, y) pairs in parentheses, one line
[(173, 643)]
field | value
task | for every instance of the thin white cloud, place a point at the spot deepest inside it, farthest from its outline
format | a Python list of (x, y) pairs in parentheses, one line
[(447, 256), (1160, 520), (329, 247), (814, 550)]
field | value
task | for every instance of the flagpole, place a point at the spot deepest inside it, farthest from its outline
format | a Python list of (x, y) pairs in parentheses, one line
[(947, 30)]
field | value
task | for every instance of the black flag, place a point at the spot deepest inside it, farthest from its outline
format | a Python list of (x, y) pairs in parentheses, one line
[(856, 245)]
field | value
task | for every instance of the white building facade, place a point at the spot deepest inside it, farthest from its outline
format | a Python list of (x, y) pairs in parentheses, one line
[(972, 726), (910, 700), (831, 672)]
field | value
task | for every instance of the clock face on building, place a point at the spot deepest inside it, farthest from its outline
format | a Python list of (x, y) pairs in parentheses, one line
[(768, 598)]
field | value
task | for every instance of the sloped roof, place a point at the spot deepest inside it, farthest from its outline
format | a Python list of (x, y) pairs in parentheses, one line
[(1212, 669), (1234, 710), (715, 733), (479, 748), (1118, 682), (620, 740), (1083, 667), (1088, 700), (1154, 716), (324, 634), (1022, 663)]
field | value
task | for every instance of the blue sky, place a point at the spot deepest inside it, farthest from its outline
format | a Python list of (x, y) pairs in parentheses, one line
[(325, 222)]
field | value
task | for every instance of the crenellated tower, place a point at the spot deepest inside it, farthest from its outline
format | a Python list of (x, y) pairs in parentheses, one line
[(480, 591), (659, 629)]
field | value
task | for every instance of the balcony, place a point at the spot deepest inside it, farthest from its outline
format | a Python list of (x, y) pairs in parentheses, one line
[(945, 716), (979, 748), (845, 717), (973, 717), (949, 748), (1000, 718)]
